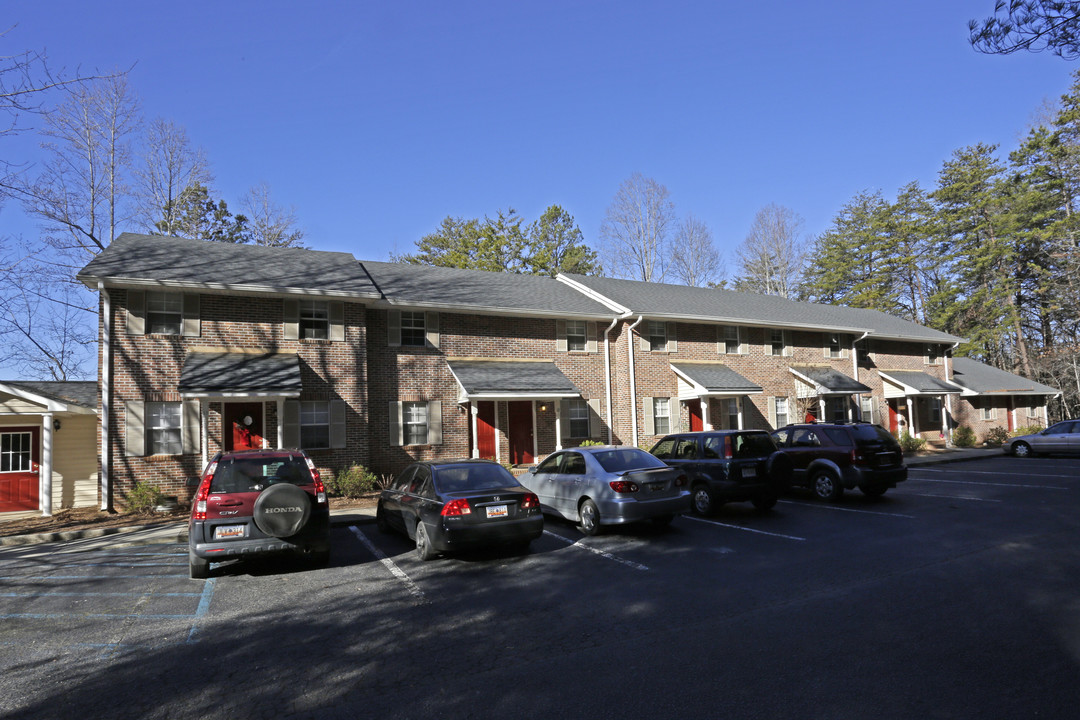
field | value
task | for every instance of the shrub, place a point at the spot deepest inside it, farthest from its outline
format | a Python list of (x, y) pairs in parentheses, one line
[(911, 444), (964, 436), (143, 498), (352, 482), (587, 443), (1027, 430), (996, 436)]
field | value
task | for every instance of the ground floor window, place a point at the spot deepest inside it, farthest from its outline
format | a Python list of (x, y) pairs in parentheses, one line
[(661, 416), (315, 424), (415, 418), (781, 411), (578, 411), (15, 452), (731, 408), (163, 428)]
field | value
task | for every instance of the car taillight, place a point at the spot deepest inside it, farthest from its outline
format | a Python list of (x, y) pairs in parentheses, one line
[(857, 458), (728, 452), (204, 492), (320, 489), (456, 507), (530, 501), (623, 486), (680, 481)]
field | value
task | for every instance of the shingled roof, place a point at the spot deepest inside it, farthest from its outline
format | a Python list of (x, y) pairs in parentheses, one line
[(978, 378), (133, 259)]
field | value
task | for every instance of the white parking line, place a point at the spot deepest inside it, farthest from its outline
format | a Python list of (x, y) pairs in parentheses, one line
[(845, 509), (990, 472), (952, 497), (601, 553), (992, 484), (389, 564), (740, 527)]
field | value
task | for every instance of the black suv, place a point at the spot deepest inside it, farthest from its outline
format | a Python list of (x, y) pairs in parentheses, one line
[(727, 466), (258, 502), (829, 457)]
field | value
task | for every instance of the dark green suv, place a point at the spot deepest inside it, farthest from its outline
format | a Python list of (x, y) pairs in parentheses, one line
[(727, 466)]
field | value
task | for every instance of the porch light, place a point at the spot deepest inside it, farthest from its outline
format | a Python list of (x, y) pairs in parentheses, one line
[(55, 425)]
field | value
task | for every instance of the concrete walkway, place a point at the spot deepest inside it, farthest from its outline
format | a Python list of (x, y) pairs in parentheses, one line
[(343, 517)]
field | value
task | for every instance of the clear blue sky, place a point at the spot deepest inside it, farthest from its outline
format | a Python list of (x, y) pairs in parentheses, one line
[(375, 120)]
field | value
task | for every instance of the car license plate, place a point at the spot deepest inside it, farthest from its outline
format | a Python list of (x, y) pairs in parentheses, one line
[(656, 487), (228, 531), (496, 511), (749, 471)]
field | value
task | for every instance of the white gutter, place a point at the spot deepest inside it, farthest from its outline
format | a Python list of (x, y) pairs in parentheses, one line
[(633, 376), (948, 398), (106, 395), (607, 373), (855, 371)]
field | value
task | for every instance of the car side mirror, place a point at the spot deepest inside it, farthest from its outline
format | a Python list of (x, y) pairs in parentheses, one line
[(533, 469)]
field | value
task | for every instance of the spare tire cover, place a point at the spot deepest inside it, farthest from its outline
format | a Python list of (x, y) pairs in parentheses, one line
[(780, 468), (282, 510)]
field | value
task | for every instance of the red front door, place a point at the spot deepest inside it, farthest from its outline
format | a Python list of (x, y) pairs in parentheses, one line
[(894, 423), (243, 426), (521, 432), (694, 406), (485, 429), (20, 457)]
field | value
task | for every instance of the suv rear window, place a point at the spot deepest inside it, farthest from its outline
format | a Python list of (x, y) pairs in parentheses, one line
[(747, 445), (872, 435), (251, 474)]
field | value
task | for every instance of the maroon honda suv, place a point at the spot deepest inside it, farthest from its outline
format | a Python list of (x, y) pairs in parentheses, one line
[(258, 502)]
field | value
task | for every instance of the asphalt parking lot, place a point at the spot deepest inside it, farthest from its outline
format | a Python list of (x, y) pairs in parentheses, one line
[(956, 595)]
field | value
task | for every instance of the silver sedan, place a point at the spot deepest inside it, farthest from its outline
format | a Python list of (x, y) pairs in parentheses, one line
[(1062, 437), (608, 485)]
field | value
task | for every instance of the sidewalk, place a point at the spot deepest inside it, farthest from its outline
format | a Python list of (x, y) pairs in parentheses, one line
[(343, 517)]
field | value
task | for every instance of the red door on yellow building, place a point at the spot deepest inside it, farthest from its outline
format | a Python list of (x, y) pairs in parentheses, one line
[(20, 456)]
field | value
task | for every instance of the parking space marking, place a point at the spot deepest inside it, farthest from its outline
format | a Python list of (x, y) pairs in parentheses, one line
[(601, 553), (202, 609), (846, 509), (389, 564), (740, 527), (96, 594), (992, 484), (951, 497), (988, 472)]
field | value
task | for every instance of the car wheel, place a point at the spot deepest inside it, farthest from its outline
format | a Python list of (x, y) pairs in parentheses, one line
[(1022, 449), (198, 568), (826, 486), (765, 502), (873, 490), (703, 502), (590, 518), (424, 550), (662, 521), (381, 523)]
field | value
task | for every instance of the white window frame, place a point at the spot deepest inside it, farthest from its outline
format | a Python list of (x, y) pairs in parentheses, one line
[(314, 417), (162, 420), (834, 346), (314, 319), (578, 419), (987, 411), (732, 413), (726, 339), (661, 415), (164, 312), (774, 337), (413, 328), (8, 457), (786, 414), (658, 329), (933, 355), (414, 419), (577, 336)]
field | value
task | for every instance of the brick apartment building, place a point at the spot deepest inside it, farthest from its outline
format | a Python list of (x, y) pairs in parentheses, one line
[(210, 346)]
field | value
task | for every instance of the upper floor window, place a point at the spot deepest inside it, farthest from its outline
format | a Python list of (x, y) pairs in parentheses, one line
[(730, 340), (314, 319), (933, 355), (576, 337), (657, 336), (834, 346), (164, 312), (163, 428), (413, 328), (776, 342)]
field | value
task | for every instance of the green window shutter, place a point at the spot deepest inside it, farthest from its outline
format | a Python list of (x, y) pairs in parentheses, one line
[(596, 423), (136, 313), (431, 327), (191, 325), (434, 431), (650, 421), (291, 309), (191, 427), (590, 337), (337, 424), (134, 422), (560, 336), (393, 329), (290, 423), (337, 320), (395, 438), (672, 338)]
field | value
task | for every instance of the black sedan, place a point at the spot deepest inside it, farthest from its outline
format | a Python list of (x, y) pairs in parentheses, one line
[(454, 504)]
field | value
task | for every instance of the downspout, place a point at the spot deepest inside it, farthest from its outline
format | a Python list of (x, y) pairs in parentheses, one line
[(607, 375), (948, 398), (633, 376), (855, 370), (106, 394)]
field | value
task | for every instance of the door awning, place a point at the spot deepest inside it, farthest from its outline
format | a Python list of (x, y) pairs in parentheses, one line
[(712, 378), (824, 380), (224, 375), (913, 382), (511, 380)]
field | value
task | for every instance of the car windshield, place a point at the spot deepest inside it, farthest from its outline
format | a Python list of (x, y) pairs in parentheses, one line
[(622, 460), (872, 435), (251, 474), (463, 478)]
